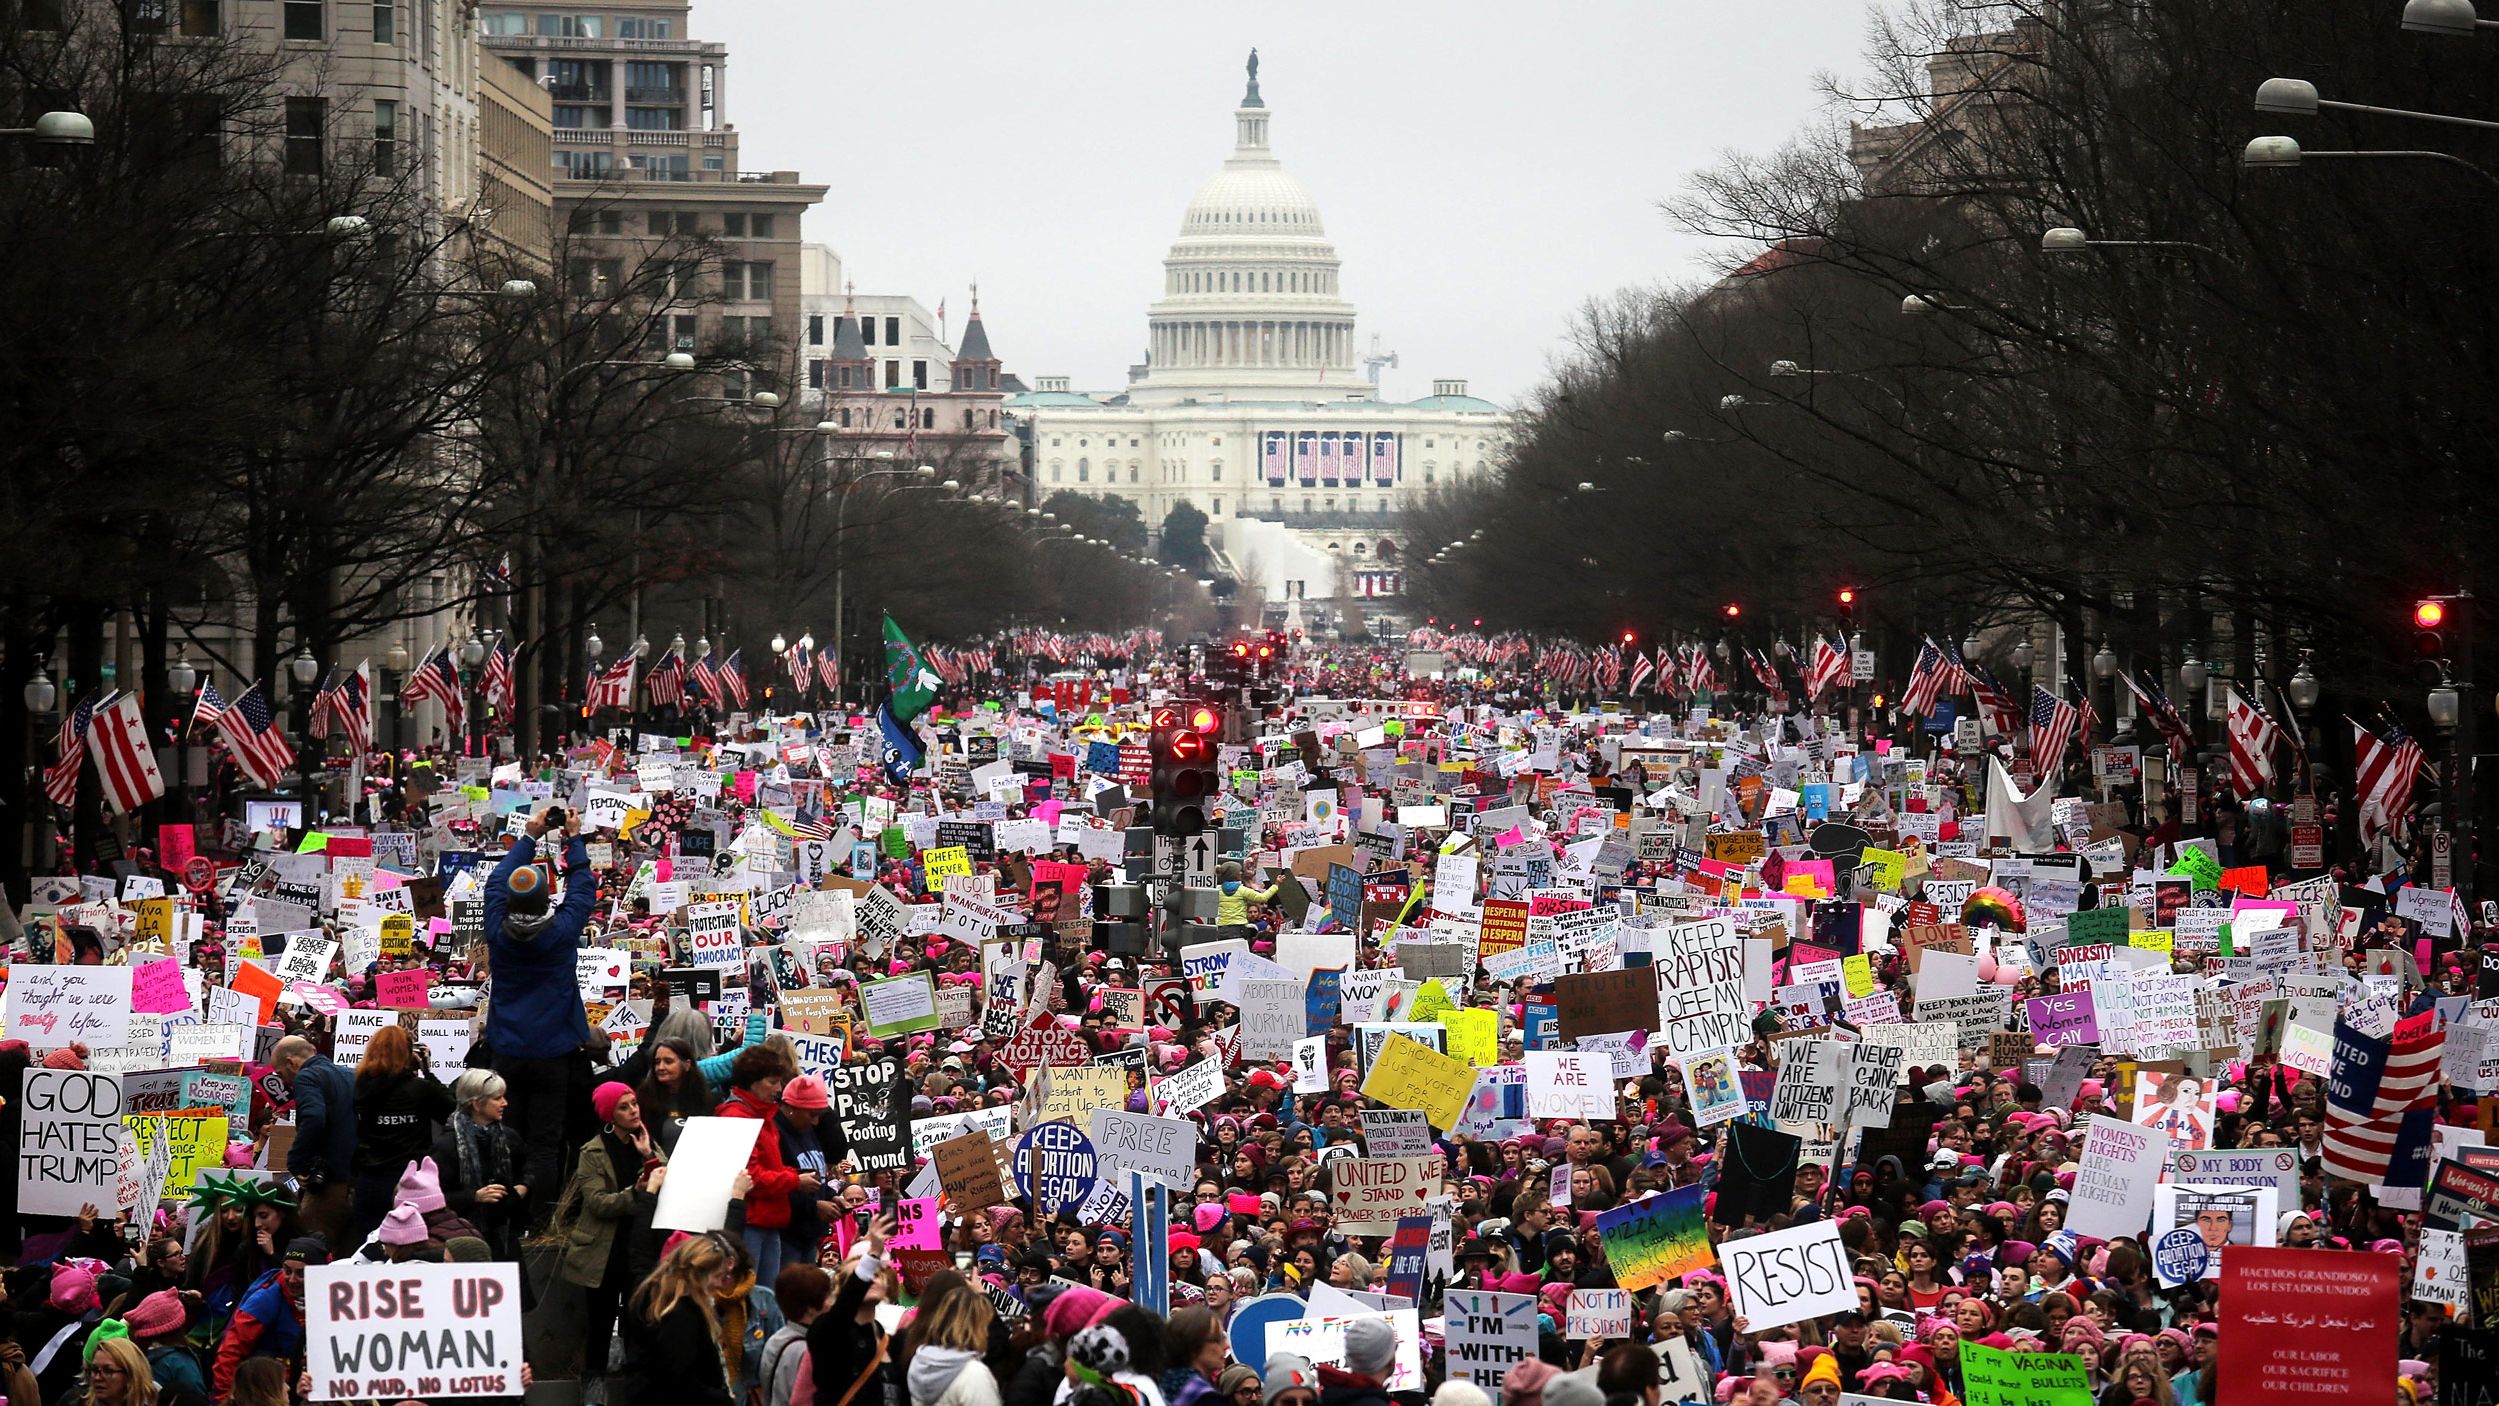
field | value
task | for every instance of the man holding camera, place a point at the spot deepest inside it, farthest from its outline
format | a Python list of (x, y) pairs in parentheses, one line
[(535, 1025)]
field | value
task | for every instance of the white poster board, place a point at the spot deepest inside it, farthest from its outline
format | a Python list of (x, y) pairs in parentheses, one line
[(387, 1332)]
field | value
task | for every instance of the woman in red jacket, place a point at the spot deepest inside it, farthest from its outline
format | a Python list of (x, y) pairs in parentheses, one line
[(755, 1081)]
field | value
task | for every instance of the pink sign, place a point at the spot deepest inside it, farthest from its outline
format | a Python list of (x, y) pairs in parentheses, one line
[(156, 988), (403, 991), (917, 1225), (174, 846)]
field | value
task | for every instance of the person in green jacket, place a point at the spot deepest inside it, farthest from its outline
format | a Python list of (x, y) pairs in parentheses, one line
[(1233, 899)]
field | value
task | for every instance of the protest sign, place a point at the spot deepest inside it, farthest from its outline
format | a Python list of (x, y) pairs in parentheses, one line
[(1873, 1083), (710, 1153), (1395, 1132), (1656, 1238), (2064, 1018), (2112, 1193), (1788, 1275), (52, 1007), (1375, 1191), (1055, 1166), (1700, 987), (901, 1005), (1404, 1074), (968, 1170), (190, 1141), (1996, 1377), (1595, 1315), (69, 1140), (1488, 1334), (1272, 1018), (2298, 1325), (1605, 1003), (395, 1331), (2277, 1167), (712, 934), (1568, 1085), (1160, 1149)]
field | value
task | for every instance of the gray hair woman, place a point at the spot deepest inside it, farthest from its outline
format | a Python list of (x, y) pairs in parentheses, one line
[(480, 1159)]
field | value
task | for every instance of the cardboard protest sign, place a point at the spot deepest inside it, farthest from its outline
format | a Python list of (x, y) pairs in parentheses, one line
[(394, 1331), (1568, 1085), (968, 1170), (1656, 1238), (69, 1142), (1700, 987), (1789, 1275), (902, 1005), (1487, 1334), (1375, 1191), (1605, 1003), (1160, 1149), (50, 1007), (2112, 1193), (1595, 1315), (1404, 1074), (710, 1153)]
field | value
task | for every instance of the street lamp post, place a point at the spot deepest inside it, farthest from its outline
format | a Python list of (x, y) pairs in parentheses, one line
[(40, 696), (303, 668), (841, 563)]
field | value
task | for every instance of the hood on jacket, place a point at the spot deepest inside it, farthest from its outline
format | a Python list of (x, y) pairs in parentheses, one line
[(933, 1369), (525, 927)]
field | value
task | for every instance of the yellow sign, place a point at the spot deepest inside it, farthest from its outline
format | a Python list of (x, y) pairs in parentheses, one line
[(1857, 970), (1474, 1036), (2158, 940), (1074, 1093), (816, 1010), (947, 862), (398, 936), (1409, 1075), (196, 1138), (1430, 1002), (1891, 868), (156, 922), (1737, 846)]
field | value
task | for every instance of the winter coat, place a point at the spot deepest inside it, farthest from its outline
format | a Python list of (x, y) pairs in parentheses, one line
[(839, 1347), (784, 1353), (951, 1376), (536, 1012), (677, 1361), (395, 1118), (325, 1121), (603, 1201), (265, 1324), (768, 1201), (499, 1158)]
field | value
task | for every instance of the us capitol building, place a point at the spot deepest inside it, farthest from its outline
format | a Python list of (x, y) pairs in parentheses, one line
[(1253, 404)]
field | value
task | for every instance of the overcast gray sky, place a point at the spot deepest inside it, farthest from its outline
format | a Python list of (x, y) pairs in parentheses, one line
[(1483, 166)]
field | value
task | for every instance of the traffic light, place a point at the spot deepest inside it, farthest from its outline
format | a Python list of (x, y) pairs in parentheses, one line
[(1183, 782), (1848, 608), (1734, 610), (2429, 638)]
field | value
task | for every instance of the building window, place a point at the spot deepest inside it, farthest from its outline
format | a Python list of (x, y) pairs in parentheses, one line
[(815, 375), (504, 23), (893, 378), (1215, 507), (629, 27), (307, 19), (586, 165), (649, 82), (751, 282), (1084, 471), (967, 419), (893, 331), (682, 327), (385, 22), (305, 118), (651, 119), (733, 225), (1427, 473), (569, 118), (573, 26), (1216, 469), (594, 278), (815, 329), (1054, 471), (607, 222), (385, 136), (919, 375)]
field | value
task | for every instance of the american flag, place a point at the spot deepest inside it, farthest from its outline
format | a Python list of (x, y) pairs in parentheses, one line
[(117, 736), (2052, 722), (2087, 726), (1995, 702), (252, 730), (1642, 667), (1934, 675), (2153, 700), (346, 706), (2388, 767), (1766, 674), (1670, 675), (211, 707), (60, 780), (2291, 733), (2377, 1082), (496, 688), (1697, 671), (2252, 739), (829, 670), (666, 681), (1830, 667), (802, 670), (436, 677), (704, 677), (613, 689), (733, 677)]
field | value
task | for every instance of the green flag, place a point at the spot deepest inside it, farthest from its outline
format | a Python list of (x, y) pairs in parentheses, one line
[(912, 683)]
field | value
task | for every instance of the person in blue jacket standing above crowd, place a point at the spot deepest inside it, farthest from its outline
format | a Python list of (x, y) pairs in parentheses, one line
[(535, 1025)]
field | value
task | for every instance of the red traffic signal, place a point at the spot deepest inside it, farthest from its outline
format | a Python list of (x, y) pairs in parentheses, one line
[(2430, 614), (1734, 610), (1203, 717), (1240, 649), (1848, 595)]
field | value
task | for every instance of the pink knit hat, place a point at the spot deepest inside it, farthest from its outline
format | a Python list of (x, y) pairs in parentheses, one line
[(156, 1315), (405, 1225), (421, 1186)]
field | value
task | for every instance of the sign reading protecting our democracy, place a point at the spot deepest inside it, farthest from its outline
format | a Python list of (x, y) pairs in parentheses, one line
[(376, 1331)]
